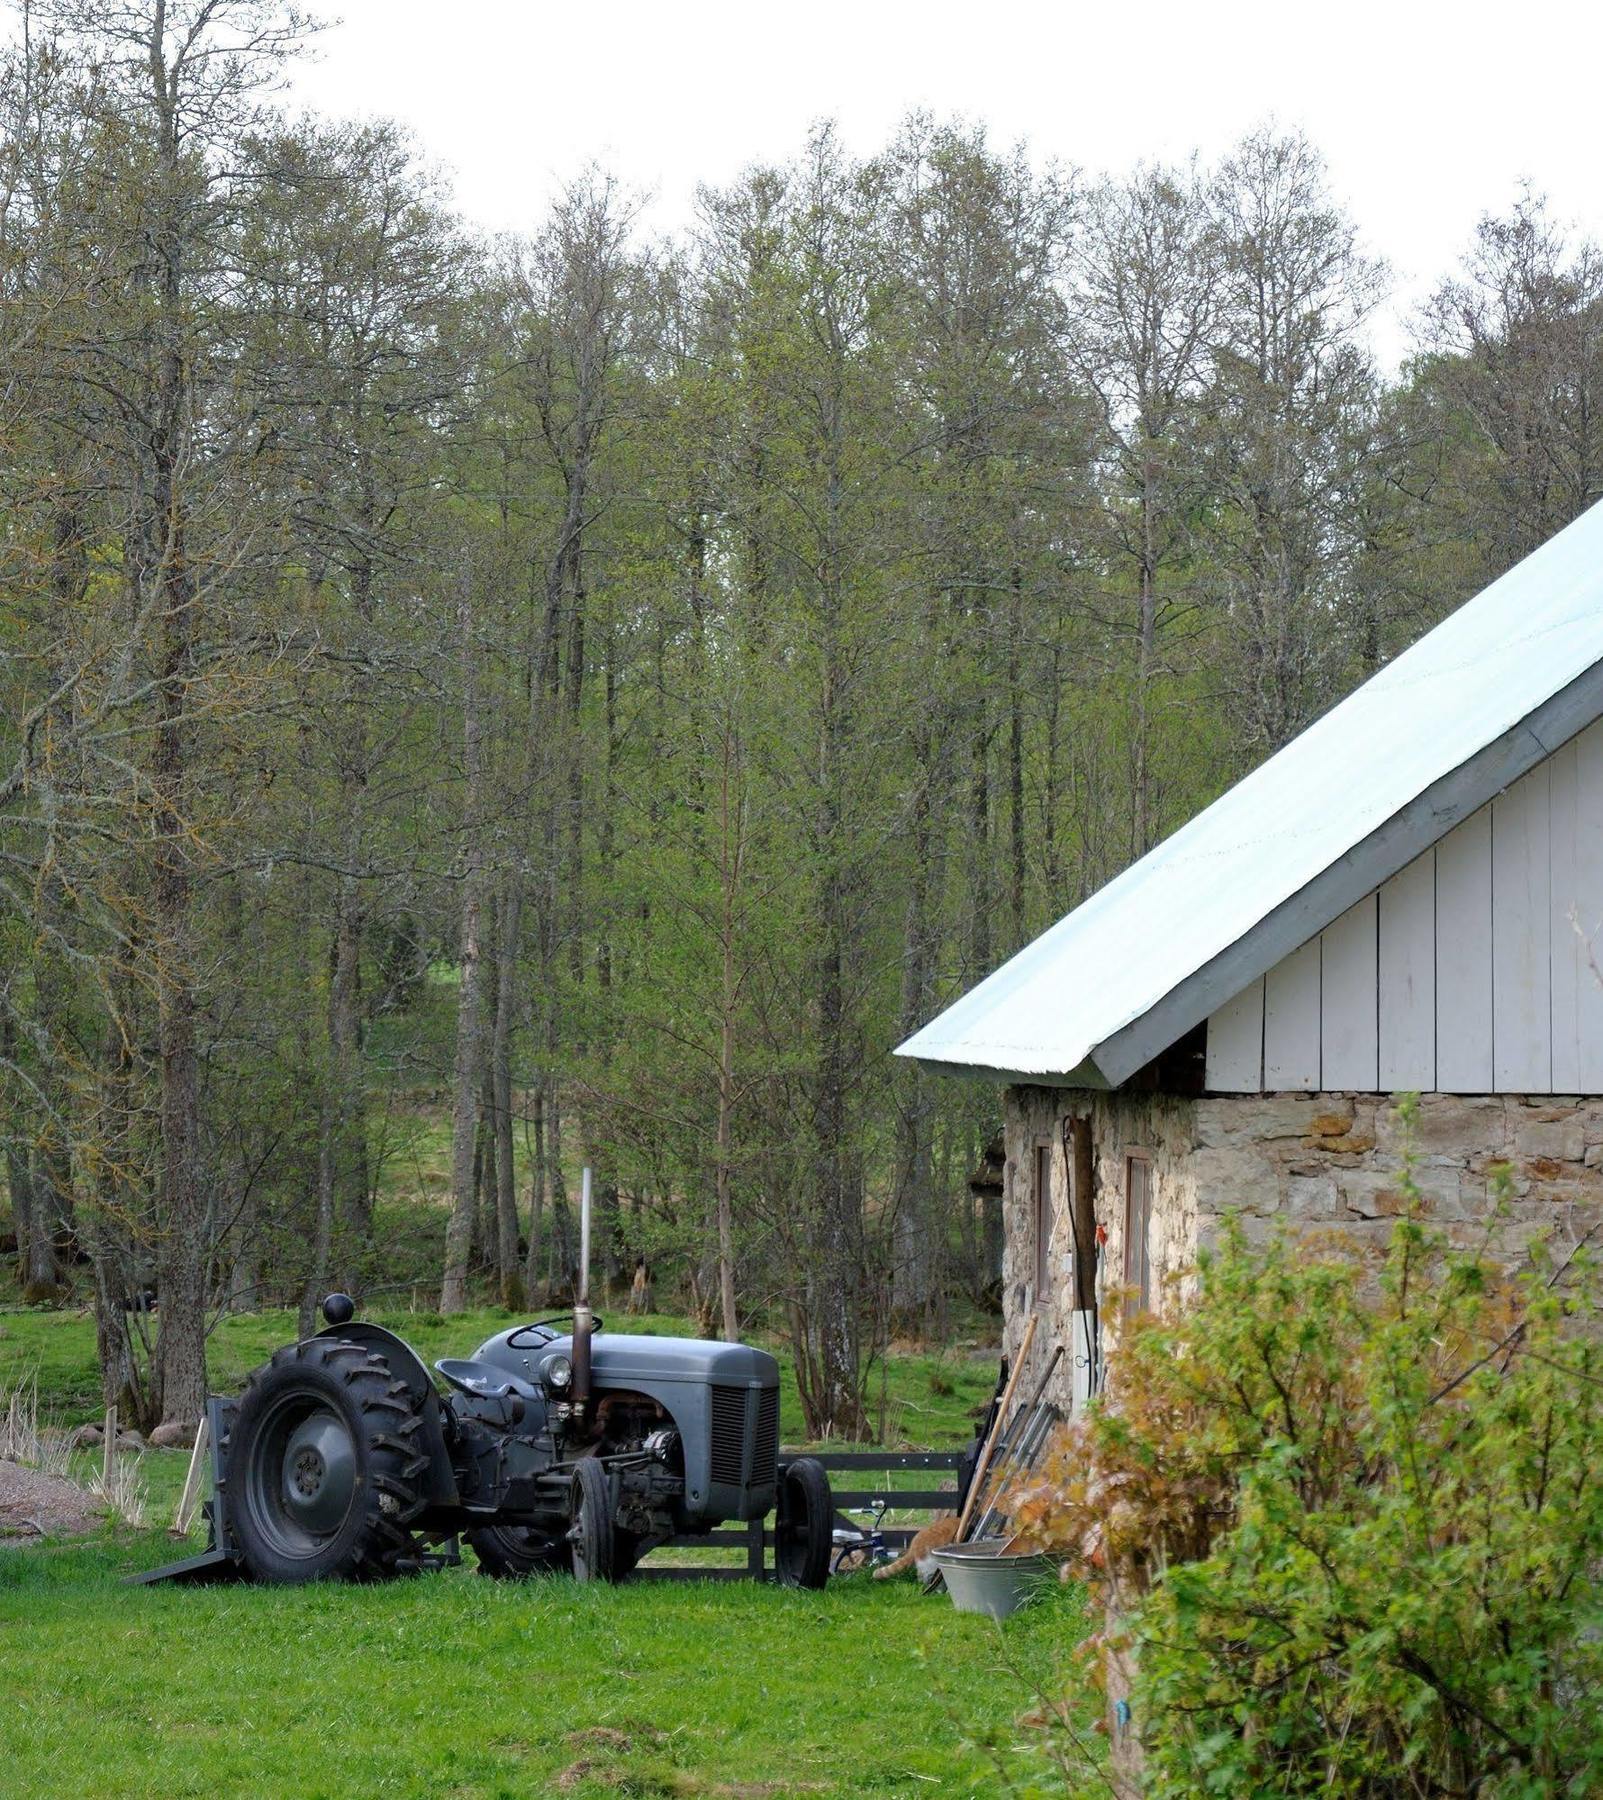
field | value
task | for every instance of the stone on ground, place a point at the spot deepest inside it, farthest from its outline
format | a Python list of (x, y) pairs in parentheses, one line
[(34, 1505)]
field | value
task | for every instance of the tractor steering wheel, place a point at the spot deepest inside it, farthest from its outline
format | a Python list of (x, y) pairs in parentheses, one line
[(544, 1324)]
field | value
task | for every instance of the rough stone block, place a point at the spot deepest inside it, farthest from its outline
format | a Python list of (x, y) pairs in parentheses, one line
[(1254, 1118), (1330, 1124), (1562, 1224), (1312, 1195), (1489, 1163), (1372, 1193), (1352, 1143), (1573, 1184), (1557, 1140), (1232, 1179), (1446, 1124)]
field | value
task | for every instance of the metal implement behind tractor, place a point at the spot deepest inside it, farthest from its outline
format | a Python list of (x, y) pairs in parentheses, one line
[(548, 1449)]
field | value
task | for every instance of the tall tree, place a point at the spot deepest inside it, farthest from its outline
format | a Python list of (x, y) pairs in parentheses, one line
[(1515, 343), (1293, 392), (1147, 282)]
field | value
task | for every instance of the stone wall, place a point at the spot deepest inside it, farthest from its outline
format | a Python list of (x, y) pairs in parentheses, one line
[(1312, 1163), (1321, 1161), (1159, 1125)]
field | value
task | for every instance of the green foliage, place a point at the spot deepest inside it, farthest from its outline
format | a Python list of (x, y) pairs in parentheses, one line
[(664, 672), (1351, 1524)]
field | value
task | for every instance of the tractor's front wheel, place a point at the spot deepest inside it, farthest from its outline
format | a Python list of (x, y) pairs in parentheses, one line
[(325, 1466), (804, 1526), (512, 1551), (592, 1537)]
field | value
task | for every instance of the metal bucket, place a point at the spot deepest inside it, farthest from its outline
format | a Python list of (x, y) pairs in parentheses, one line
[(981, 1580)]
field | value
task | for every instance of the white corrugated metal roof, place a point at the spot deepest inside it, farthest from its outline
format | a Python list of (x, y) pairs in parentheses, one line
[(1054, 1009)]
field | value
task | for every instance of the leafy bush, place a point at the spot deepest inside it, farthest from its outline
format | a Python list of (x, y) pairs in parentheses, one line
[(1351, 1526)]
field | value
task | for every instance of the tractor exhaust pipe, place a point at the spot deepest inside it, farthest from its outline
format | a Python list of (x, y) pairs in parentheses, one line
[(583, 1319)]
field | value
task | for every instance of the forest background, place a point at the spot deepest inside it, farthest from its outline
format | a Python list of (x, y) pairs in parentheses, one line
[(591, 693)]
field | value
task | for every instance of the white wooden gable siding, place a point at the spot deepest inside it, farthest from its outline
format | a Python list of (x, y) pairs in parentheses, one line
[(1476, 969)]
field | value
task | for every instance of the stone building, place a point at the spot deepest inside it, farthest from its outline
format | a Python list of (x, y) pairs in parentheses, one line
[(1403, 899)]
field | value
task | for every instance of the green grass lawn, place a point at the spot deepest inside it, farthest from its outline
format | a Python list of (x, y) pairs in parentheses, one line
[(449, 1684)]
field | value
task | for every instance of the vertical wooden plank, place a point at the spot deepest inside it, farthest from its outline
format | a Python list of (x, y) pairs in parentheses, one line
[(1522, 1019), (1407, 978), (1576, 912), (1291, 1021), (1565, 949), (1349, 1000), (1587, 928), (1464, 957), (1235, 1043)]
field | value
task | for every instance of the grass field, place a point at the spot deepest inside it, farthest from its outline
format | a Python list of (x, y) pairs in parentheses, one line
[(451, 1685)]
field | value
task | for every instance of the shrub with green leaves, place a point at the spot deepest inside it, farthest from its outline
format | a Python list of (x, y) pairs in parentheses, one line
[(1352, 1524)]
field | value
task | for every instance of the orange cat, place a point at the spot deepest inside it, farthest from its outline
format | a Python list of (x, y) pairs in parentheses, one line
[(920, 1553)]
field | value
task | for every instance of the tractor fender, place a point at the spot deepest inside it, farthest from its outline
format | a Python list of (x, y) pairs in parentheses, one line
[(406, 1365)]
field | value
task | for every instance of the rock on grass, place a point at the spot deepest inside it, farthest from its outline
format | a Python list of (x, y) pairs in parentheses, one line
[(34, 1505)]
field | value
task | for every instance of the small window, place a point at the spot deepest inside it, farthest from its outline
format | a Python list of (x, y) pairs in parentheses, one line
[(1137, 1234), (1043, 1224)]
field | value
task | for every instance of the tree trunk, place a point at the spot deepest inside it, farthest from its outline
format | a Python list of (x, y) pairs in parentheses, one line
[(561, 1245), (533, 1266), (36, 1237), (838, 1247), (1015, 764), (731, 868), (724, 1185), (980, 876), (485, 1226), (119, 1370), (181, 1277), (509, 1275), (348, 1151), (316, 1284), (345, 1007), (469, 1012), (916, 1234), (180, 1374), (1143, 823)]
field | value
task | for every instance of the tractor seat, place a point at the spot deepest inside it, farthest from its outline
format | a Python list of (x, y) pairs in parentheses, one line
[(475, 1379)]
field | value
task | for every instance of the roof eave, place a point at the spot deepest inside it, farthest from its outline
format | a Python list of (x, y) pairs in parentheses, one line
[(1359, 871), (1086, 1075)]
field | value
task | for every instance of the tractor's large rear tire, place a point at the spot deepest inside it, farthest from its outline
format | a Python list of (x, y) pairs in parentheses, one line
[(325, 1466), (512, 1551), (804, 1526), (592, 1537)]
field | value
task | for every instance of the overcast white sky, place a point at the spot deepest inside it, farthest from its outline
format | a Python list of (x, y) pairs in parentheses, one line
[(1429, 114)]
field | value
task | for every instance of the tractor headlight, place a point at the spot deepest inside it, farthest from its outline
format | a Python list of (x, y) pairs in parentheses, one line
[(559, 1374)]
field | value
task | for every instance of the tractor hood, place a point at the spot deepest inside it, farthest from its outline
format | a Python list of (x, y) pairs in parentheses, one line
[(621, 1359)]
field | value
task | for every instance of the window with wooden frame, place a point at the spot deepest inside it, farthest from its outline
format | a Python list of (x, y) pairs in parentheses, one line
[(1137, 1233), (1043, 1224)]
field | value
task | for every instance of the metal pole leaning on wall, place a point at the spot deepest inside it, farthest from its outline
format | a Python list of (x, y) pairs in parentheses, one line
[(1035, 1419), (983, 1467)]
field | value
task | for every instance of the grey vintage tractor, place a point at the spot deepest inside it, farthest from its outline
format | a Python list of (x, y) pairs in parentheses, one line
[(555, 1446)]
